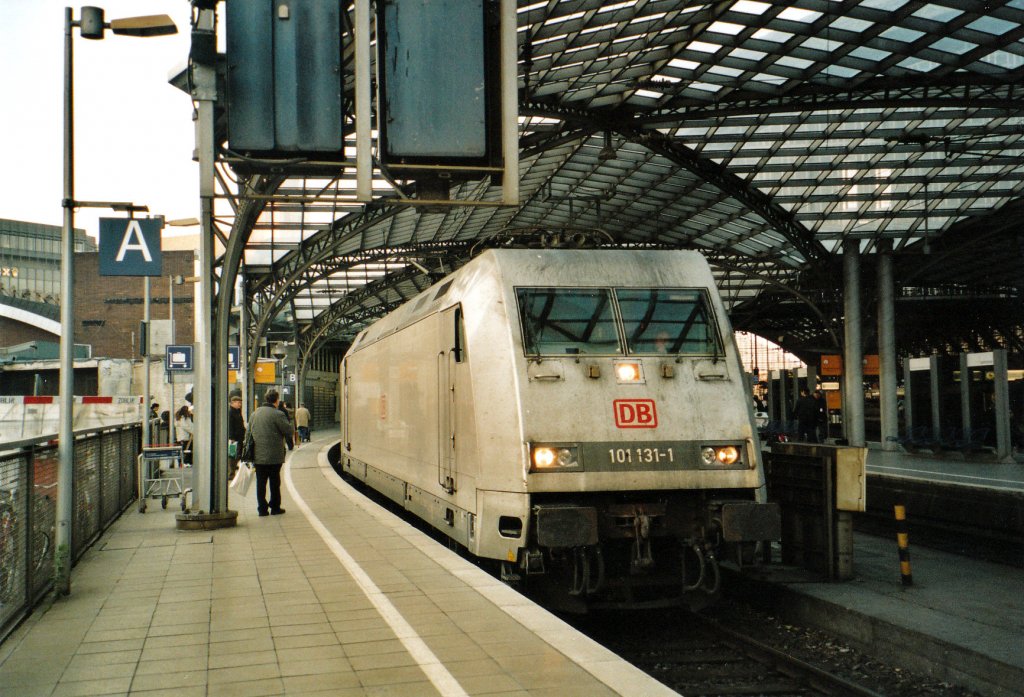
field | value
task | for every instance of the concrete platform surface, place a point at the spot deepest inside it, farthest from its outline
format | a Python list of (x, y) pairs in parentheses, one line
[(950, 468), (335, 597), (962, 620)]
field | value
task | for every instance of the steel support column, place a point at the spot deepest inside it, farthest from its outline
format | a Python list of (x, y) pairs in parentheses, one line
[(66, 437), (1004, 445), (853, 358), (887, 381), (936, 395), (966, 422), (147, 437), (210, 392), (204, 91), (243, 346)]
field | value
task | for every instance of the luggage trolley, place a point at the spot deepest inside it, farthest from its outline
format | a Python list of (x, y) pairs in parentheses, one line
[(161, 475)]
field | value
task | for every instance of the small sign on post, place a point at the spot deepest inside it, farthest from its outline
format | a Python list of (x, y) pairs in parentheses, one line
[(178, 358)]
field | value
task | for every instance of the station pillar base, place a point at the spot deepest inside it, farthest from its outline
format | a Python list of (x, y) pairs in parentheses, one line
[(206, 521)]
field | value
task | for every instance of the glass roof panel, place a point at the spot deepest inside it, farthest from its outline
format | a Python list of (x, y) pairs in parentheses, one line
[(796, 14), (992, 25), (851, 24), (919, 64), (703, 47), (840, 70), (684, 64), (902, 34), (780, 37), (723, 70), (794, 62), (1002, 59), (726, 28), (951, 45), (747, 54), (887, 5), (869, 53), (704, 86), (937, 13), (750, 7), (820, 44)]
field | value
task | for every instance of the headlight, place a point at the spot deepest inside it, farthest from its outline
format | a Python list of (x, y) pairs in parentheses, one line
[(628, 371), (727, 455), (719, 455), (552, 457)]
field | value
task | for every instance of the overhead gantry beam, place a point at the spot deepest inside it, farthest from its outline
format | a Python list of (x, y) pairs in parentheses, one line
[(952, 91)]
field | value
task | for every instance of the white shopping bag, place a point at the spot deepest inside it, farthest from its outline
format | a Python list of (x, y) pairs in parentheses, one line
[(243, 478)]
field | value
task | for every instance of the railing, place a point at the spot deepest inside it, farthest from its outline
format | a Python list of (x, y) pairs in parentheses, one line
[(24, 417), (105, 483)]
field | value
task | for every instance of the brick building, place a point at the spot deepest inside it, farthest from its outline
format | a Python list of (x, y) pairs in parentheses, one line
[(109, 309)]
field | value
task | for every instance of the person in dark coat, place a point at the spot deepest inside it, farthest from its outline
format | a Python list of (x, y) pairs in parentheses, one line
[(236, 432), (806, 413), (271, 432), (819, 398)]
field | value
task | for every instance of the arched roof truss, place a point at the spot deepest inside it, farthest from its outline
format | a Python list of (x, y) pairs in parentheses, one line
[(764, 134)]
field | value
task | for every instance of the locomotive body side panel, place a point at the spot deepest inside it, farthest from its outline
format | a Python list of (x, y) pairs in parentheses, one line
[(430, 402)]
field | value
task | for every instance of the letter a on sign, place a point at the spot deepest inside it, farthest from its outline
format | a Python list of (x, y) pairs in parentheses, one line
[(130, 247), (133, 239)]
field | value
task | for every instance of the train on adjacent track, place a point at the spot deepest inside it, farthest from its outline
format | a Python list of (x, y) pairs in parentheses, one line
[(579, 417)]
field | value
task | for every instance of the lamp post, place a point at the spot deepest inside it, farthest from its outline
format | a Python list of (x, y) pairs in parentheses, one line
[(91, 25), (280, 351), (171, 282), (144, 343)]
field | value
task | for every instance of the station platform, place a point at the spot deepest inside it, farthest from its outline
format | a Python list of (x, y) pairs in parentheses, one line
[(950, 469), (336, 597), (961, 621)]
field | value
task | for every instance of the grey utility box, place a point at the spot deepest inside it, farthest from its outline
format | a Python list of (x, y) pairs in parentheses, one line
[(284, 79), (818, 488)]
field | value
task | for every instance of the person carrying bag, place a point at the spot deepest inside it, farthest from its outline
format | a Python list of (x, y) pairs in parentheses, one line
[(246, 473)]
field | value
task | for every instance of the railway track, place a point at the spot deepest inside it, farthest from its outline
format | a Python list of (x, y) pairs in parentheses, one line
[(697, 656)]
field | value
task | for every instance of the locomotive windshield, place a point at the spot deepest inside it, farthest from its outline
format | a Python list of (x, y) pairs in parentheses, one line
[(667, 321), (568, 320), (594, 320)]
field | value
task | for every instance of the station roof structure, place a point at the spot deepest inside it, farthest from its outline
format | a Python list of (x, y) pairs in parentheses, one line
[(766, 135)]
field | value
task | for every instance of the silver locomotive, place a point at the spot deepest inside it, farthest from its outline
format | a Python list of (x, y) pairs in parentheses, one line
[(580, 417)]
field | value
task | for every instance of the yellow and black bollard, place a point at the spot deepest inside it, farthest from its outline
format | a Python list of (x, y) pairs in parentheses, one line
[(903, 543)]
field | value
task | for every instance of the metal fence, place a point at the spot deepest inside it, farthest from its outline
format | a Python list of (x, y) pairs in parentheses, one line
[(105, 483)]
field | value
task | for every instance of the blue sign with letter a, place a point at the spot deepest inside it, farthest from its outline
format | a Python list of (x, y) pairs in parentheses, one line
[(130, 247)]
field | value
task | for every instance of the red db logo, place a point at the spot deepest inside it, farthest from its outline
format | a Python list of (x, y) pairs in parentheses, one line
[(635, 413)]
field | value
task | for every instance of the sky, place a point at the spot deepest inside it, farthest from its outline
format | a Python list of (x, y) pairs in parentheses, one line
[(134, 135)]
